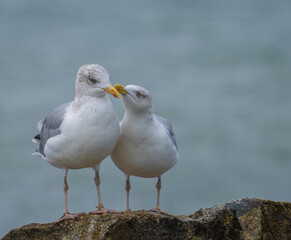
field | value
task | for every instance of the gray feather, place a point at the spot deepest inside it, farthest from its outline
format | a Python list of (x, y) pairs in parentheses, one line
[(51, 126), (167, 124)]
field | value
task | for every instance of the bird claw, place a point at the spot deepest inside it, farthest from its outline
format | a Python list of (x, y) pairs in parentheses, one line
[(103, 210), (158, 210), (69, 216)]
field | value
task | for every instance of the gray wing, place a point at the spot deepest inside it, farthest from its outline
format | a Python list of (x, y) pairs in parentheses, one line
[(167, 124), (51, 126)]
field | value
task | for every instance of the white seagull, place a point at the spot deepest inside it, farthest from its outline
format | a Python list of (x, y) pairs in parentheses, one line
[(147, 145), (81, 133)]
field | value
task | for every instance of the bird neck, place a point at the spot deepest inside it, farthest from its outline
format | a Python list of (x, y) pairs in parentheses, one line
[(144, 116), (80, 101)]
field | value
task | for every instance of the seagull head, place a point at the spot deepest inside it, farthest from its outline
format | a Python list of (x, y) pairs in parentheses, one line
[(93, 80), (135, 98)]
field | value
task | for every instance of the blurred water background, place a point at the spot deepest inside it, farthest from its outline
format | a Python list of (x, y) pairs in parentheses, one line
[(220, 71)]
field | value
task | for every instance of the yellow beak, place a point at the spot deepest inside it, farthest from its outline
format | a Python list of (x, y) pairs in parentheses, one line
[(111, 90), (121, 89)]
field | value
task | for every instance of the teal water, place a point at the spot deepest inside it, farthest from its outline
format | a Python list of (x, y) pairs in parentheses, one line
[(219, 71)]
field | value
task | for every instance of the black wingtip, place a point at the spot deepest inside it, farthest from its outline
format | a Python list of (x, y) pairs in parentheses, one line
[(37, 137)]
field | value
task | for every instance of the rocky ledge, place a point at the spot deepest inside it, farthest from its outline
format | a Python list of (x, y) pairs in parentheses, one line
[(239, 219)]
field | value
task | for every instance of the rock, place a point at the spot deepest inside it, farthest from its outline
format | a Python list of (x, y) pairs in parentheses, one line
[(239, 219)]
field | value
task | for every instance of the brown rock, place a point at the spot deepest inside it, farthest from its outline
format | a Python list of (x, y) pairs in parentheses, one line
[(239, 219)]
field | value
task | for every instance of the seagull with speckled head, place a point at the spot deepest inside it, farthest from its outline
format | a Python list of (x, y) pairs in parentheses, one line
[(81, 133)]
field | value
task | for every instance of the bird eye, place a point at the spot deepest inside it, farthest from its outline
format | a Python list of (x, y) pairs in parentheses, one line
[(139, 94), (92, 80)]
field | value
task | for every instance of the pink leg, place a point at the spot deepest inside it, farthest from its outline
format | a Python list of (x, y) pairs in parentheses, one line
[(66, 214), (100, 208), (158, 186), (66, 188), (127, 187)]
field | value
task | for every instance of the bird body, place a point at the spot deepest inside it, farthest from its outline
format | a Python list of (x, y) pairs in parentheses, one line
[(149, 150), (82, 123)]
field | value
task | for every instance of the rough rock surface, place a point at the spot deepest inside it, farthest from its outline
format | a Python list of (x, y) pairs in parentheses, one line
[(239, 219)]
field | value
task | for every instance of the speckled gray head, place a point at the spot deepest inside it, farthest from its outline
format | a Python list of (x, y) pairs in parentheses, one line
[(93, 80), (135, 98)]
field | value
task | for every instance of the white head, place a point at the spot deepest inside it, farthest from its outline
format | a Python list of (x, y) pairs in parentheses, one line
[(93, 80), (135, 98)]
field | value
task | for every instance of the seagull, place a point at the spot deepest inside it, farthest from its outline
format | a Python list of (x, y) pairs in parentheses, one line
[(81, 133), (147, 146)]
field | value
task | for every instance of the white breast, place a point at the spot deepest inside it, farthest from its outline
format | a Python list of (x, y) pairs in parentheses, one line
[(88, 135), (144, 149)]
